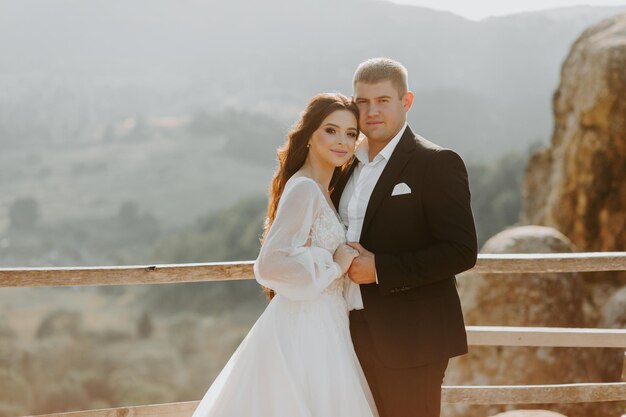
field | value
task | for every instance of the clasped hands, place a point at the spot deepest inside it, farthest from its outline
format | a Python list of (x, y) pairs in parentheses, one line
[(357, 261)]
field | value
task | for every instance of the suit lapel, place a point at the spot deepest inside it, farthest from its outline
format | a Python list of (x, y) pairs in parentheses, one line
[(395, 165)]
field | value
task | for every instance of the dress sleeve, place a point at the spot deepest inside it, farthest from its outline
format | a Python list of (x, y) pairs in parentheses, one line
[(288, 263)]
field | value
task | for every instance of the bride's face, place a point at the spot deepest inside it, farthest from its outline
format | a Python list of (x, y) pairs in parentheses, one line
[(333, 142)]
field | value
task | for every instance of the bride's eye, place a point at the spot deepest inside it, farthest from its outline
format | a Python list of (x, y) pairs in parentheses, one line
[(352, 134), (330, 130)]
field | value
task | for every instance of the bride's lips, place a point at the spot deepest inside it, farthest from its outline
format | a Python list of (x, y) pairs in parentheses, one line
[(339, 153)]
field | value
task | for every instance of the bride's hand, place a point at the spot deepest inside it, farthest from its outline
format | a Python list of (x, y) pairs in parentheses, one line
[(344, 256)]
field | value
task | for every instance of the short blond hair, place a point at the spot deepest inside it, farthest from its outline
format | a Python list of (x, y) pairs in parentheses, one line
[(375, 70)]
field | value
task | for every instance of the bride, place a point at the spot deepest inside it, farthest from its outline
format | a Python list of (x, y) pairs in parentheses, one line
[(298, 359)]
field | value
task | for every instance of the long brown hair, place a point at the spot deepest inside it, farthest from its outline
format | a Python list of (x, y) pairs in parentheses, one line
[(292, 155)]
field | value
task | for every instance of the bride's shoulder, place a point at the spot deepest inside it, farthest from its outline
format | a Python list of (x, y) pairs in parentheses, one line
[(301, 182), (301, 187)]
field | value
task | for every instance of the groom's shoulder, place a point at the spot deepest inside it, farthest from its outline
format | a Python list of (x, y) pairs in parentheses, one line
[(422, 142), (426, 145), (431, 151)]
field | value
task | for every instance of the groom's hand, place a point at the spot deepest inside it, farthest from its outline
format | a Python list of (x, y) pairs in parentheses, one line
[(363, 268)]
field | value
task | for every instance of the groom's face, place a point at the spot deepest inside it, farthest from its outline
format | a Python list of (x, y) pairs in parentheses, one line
[(382, 109)]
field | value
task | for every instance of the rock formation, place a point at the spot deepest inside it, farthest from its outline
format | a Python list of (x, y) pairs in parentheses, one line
[(576, 189), (578, 184)]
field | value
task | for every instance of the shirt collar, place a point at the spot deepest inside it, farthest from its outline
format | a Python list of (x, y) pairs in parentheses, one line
[(362, 149)]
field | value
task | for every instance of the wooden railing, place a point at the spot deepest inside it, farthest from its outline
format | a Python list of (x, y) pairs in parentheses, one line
[(477, 335), (227, 271)]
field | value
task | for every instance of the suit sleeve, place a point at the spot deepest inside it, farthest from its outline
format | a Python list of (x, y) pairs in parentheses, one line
[(446, 205)]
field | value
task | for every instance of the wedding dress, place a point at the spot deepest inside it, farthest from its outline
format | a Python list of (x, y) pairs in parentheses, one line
[(298, 359)]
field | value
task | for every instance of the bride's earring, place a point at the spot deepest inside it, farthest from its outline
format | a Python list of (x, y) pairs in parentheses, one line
[(308, 145)]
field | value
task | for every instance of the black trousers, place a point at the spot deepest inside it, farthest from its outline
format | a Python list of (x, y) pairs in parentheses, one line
[(404, 392)]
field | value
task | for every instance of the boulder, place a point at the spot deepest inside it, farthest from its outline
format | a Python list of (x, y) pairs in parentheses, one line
[(541, 300)]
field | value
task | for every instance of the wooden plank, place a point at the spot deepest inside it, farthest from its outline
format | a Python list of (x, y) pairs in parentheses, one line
[(550, 262), (125, 275), (535, 394), (224, 271), (504, 394), (182, 409), (545, 336)]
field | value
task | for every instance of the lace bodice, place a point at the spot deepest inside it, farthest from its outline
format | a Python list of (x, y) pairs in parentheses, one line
[(328, 233)]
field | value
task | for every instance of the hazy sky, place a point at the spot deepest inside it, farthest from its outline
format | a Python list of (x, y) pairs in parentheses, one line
[(479, 9)]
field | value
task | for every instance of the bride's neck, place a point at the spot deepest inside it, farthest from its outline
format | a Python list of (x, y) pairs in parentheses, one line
[(322, 174)]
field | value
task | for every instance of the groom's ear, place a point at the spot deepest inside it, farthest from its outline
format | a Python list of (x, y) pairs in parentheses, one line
[(407, 100)]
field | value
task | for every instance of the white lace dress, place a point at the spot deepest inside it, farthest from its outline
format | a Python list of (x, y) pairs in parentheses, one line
[(298, 359)]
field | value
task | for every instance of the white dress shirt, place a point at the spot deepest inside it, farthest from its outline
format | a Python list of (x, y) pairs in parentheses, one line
[(356, 196)]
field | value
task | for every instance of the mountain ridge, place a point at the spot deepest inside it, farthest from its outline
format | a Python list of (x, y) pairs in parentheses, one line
[(118, 59)]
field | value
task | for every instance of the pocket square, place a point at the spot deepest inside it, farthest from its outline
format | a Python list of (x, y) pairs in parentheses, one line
[(401, 189)]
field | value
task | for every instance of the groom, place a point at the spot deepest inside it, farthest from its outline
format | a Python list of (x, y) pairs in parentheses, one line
[(406, 203)]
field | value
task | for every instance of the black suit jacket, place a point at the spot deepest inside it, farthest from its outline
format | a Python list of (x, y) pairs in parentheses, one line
[(420, 241)]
